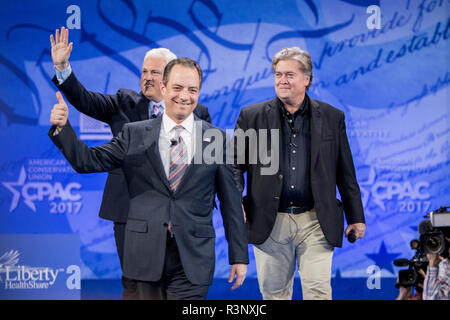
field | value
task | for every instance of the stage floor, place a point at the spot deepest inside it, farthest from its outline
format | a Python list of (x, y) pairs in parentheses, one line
[(343, 289)]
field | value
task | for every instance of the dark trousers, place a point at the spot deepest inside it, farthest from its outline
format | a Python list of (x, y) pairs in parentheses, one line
[(173, 285)]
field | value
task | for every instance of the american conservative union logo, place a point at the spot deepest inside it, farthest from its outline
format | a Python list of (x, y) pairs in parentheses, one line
[(36, 184)]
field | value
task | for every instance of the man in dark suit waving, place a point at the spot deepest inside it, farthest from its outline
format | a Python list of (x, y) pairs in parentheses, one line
[(292, 212), (115, 110), (169, 242)]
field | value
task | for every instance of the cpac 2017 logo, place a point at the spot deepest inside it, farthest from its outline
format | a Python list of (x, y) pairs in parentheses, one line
[(14, 276), (40, 190), (409, 196)]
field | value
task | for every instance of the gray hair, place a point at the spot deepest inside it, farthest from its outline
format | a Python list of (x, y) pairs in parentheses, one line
[(295, 53), (161, 52)]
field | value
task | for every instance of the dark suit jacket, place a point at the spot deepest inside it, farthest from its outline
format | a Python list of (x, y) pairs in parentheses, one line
[(331, 166), (152, 203), (115, 110)]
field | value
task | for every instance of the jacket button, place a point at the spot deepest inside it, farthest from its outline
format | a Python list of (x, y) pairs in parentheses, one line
[(280, 177)]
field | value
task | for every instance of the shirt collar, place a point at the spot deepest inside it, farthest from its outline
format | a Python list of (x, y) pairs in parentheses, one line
[(304, 107), (169, 124)]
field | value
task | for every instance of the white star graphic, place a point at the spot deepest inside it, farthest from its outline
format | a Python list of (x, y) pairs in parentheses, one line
[(16, 194)]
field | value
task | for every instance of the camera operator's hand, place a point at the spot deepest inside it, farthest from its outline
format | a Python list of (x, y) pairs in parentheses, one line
[(404, 293), (422, 273), (434, 259)]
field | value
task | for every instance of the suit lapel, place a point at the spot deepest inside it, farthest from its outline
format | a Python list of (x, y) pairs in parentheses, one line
[(153, 151), (316, 131), (142, 107), (273, 117)]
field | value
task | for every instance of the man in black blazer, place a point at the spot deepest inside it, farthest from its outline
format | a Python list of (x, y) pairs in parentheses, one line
[(117, 109), (169, 242), (292, 212)]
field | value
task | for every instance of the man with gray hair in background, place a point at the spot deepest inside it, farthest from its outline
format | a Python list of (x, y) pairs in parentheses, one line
[(116, 110), (293, 216)]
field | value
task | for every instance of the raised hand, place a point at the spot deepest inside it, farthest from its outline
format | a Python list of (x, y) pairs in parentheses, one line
[(60, 113), (61, 49)]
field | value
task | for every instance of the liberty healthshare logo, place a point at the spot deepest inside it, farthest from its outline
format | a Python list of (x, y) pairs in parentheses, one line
[(35, 184), (14, 276)]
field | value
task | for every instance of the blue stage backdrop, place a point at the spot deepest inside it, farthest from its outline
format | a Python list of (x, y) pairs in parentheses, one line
[(389, 75)]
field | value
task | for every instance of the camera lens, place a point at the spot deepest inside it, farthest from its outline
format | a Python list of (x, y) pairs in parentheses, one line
[(434, 244)]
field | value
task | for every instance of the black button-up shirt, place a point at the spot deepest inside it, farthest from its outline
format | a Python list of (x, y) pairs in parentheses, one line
[(296, 139)]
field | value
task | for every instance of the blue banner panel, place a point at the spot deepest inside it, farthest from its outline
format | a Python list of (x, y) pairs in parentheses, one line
[(384, 63), (40, 267)]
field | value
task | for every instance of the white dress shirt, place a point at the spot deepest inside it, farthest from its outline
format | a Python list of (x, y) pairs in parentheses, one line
[(167, 133)]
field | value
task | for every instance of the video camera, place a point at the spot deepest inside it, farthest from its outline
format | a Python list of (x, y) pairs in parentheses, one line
[(411, 276), (432, 240)]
